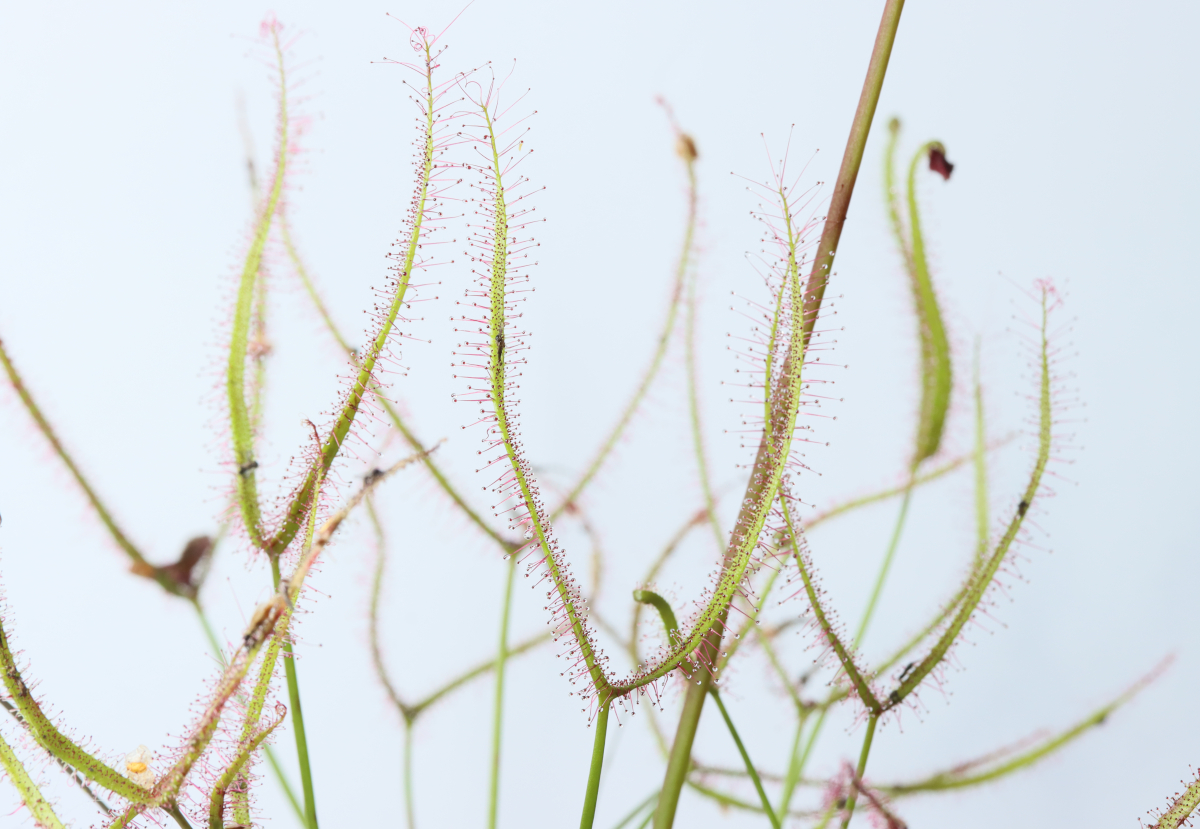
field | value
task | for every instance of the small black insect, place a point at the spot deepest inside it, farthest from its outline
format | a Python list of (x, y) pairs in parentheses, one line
[(1022, 507), (248, 468), (499, 346), (907, 669), (372, 476)]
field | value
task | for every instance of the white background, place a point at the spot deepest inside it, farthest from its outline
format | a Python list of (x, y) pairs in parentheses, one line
[(123, 213)]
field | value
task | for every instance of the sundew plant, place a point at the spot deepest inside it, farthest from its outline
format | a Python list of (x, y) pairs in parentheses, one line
[(464, 269)]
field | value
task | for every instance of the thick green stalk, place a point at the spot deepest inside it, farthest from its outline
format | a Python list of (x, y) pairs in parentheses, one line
[(39, 808), (177, 815), (839, 204), (297, 715), (768, 466), (868, 739), (680, 760), (758, 786), (498, 711), (593, 784)]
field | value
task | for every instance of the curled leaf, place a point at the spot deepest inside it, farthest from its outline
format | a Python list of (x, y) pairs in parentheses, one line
[(938, 162)]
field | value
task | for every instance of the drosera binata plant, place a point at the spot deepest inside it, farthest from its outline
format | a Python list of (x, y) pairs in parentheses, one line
[(473, 177)]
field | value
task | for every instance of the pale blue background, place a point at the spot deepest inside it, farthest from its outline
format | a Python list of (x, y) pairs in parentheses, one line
[(123, 210)]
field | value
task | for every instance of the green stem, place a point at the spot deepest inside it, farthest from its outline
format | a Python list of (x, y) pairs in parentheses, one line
[(792, 777), (284, 783), (843, 189), (660, 351), (498, 712), (710, 503), (758, 786), (814, 293), (479, 670), (637, 810), (811, 743), (680, 761), (825, 818), (892, 492), (209, 633), (409, 803), (293, 683), (860, 770), (172, 809), (593, 785), (982, 518), (764, 639), (883, 570)]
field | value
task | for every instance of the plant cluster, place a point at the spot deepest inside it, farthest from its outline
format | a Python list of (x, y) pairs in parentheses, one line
[(472, 138)]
